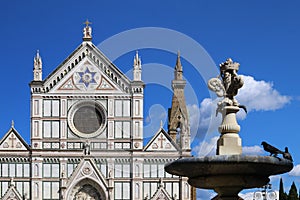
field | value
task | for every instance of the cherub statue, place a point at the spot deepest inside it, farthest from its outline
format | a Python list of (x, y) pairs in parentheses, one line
[(227, 84)]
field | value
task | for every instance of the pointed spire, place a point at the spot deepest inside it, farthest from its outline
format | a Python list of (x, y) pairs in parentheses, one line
[(178, 115), (37, 56), (87, 31), (37, 67), (37, 60), (178, 62), (137, 67), (137, 61), (178, 68)]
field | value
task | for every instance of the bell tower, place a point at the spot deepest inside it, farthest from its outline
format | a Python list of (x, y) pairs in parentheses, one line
[(178, 124)]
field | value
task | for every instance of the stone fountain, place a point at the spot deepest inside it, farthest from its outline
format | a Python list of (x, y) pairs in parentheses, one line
[(229, 172)]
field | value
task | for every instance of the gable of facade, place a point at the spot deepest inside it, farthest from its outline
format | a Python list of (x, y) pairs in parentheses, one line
[(162, 194), (161, 141), (86, 182), (86, 70), (13, 141), (12, 193)]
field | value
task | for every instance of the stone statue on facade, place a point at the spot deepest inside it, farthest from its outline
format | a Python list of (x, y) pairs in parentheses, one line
[(86, 148)]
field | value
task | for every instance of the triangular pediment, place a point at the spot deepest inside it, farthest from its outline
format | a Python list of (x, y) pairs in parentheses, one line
[(12, 140), (161, 141), (161, 194), (12, 193), (87, 70), (87, 169)]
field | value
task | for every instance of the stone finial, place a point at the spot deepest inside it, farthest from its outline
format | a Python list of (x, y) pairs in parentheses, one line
[(12, 183), (12, 123), (161, 183), (37, 67), (137, 68), (178, 68), (87, 31)]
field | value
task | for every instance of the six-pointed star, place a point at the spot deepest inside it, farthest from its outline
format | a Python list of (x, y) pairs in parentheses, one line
[(87, 77)]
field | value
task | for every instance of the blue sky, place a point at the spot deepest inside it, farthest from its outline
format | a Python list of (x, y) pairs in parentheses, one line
[(263, 36)]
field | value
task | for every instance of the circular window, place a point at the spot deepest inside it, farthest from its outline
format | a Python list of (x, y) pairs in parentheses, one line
[(87, 119)]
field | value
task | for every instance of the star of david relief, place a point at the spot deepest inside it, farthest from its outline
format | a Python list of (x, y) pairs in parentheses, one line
[(87, 78)]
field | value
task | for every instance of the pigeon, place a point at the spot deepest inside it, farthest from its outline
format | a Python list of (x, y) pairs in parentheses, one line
[(272, 150), (287, 155)]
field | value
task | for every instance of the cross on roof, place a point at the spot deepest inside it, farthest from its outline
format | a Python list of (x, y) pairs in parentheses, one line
[(161, 139), (87, 23), (12, 138)]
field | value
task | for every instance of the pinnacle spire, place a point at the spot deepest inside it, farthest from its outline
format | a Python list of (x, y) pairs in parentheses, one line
[(87, 31), (137, 60), (37, 67), (137, 67), (37, 60), (178, 62), (37, 54), (178, 114), (178, 68)]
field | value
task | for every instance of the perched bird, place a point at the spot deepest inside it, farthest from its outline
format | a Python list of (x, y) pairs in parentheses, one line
[(244, 108), (272, 150), (287, 155)]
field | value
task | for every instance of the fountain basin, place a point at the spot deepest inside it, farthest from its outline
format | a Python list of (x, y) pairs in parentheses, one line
[(229, 174)]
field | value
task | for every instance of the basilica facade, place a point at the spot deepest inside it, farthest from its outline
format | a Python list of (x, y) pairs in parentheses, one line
[(87, 135)]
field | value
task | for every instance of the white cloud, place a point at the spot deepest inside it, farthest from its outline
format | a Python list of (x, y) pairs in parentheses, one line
[(206, 148), (209, 148), (157, 114), (253, 150), (194, 117), (249, 195), (203, 119), (295, 171), (260, 95), (203, 194)]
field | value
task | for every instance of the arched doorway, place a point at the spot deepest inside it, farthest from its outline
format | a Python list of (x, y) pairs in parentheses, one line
[(87, 189), (87, 192)]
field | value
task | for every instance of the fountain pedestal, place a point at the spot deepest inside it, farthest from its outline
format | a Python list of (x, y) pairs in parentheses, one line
[(229, 174), (229, 142)]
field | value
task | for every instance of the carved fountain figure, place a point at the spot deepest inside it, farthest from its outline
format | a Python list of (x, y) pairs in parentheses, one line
[(229, 172), (227, 87)]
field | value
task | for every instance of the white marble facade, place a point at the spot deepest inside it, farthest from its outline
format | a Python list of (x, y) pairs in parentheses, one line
[(87, 137)]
